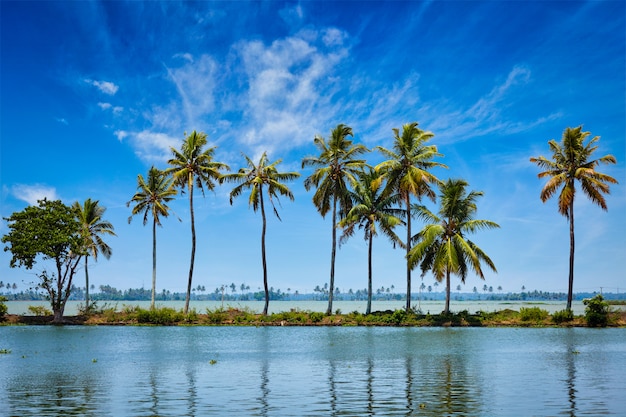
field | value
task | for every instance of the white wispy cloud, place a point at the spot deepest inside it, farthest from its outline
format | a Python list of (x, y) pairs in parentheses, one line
[(151, 147), (109, 106), (31, 193), (290, 88), (62, 120), (106, 87)]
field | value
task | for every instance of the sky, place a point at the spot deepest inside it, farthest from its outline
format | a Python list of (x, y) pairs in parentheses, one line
[(95, 93)]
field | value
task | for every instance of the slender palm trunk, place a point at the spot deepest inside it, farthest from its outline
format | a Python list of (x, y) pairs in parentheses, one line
[(447, 309), (86, 286), (369, 274), (193, 246), (570, 290), (153, 262), (408, 249), (267, 292), (329, 310)]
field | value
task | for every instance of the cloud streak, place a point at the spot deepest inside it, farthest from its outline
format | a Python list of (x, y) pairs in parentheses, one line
[(106, 87), (31, 193)]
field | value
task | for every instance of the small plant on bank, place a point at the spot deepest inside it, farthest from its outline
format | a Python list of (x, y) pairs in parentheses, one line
[(563, 316), (597, 311), (3, 307), (39, 311), (535, 314)]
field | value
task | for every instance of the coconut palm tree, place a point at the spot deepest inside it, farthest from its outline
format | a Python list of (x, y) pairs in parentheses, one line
[(371, 207), (570, 163), (255, 177), (336, 166), (90, 215), (406, 171), (192, 166), (441, 246), (152, 197)]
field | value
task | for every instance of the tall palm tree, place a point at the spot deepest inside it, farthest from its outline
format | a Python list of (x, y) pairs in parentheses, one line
[(90, 215), (152, 197), (570, 163), (371, 207), (441, 246), (255, 177), (336, 167), (406, 172), (192, 166)]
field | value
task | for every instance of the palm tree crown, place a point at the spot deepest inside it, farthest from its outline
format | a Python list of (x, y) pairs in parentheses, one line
[(406, 171), (255, 177), (336, 167), (90, 215), (570, 163), (371, 207), (152, 197), (191, 167), (442, 247)]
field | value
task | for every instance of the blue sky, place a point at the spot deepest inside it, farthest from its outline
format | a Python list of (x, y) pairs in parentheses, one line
[(94, 93)]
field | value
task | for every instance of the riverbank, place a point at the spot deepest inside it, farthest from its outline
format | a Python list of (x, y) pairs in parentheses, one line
[(136, 316)]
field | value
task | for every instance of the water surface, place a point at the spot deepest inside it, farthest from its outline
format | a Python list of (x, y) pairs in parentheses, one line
[(311, 371)]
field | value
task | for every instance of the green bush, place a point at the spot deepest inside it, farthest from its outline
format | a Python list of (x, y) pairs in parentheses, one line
[(3, 307), (597, 311), (39, 311), (161, 315), (316, 316), (217, 316), (533, 314), (562, 316)]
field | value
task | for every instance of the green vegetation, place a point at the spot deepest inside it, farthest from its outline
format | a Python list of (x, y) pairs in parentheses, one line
[(133, 315), (370, 207), (570, 163), (336, 168), (39, 311), (193, 167), (597, 311), (407, 173), (5, 351), (48, 231), (442, 246), (3, 307), (373, 199), (535, 314), (254, 177), (152, 197), (93, 226), (563, 316)]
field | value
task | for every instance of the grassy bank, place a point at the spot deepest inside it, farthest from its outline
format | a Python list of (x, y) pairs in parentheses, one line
[(526, 317)]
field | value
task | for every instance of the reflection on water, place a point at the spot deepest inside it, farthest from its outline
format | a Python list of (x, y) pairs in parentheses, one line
[(286, 371)]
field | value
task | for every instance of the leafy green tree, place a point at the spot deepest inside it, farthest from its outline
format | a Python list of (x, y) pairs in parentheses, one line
[(151, 198), (48, 231), (90, 214), (336, 167), (571, 161), (191, 167), (441, 246), (407, 173), (255, 178), (371, 207)]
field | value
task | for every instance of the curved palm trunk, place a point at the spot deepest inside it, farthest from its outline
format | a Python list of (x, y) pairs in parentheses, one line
[(153, 262), (193, 246), (86, 286), (267, 292), (408, 249), (447, 309), (369, 275), (570, 290), (329, 310)]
